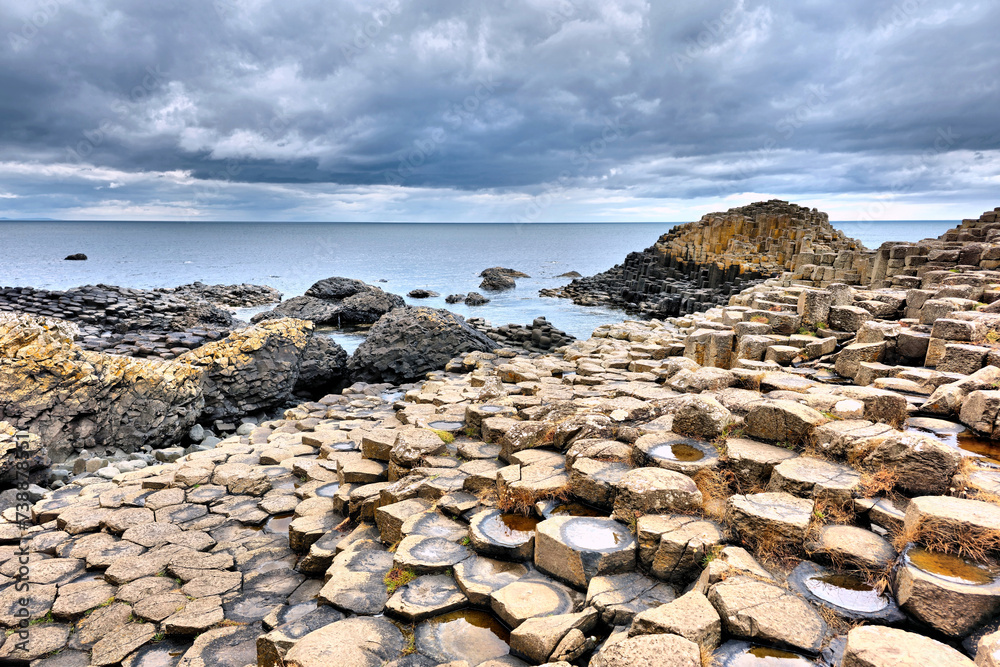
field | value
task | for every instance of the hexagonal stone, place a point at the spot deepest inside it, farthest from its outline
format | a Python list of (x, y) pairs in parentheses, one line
[(413, 446), (619, 597), (356, 581), (782, 421), (479, 577), (74, 599), (506, 536), (533, 595), (674, 547), (691, 616), (815, 478), (390, 518), (158, 607), (99, 624), (426, 596), (197, 616), (140, 589), (272, 647), (648, 651), (852, 545), (764, 612), (576, 549), (41, 640), (151, 535), (434, 524), (223, 647), (775, 515), (212, 582), (429, 554), (844, 593), (752, 461), (121, 641), (951, 594), (358, 642), (594, 481), (675, 452), (40, 599), (877, 646), (655, 491), (119, 521), (950, 518), (538, 638)]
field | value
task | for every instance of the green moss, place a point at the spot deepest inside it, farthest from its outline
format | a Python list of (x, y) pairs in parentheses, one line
[(446, 438), (397, 577)]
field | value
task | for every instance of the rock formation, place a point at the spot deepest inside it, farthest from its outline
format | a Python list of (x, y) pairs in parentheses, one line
[(336, 302), (407, 343), (497, 278), (700, 264), (539, 336), (69, 396), (252, 369)]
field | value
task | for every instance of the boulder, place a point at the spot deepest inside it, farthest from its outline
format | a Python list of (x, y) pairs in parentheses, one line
[(322, 367), (336, 302), (700, 417), (359, 642), (767, 613), (407, 343), (251, 369), (664, 650), (782, 421), (877, 646), (497, 279)]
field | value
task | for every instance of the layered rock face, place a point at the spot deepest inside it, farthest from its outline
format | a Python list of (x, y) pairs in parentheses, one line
[(76, 399), (700, 264), (539, 336), (336, 302), (406, 343), (72, 398), (252, 369)]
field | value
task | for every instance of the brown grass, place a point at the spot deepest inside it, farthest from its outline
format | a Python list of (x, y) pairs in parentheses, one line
[(715, 487), (880, 482), (977, 544), (836, 622), (522, 501), (708, 658)]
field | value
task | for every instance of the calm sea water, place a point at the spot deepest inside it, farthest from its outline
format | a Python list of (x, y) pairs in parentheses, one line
[(445, 258)]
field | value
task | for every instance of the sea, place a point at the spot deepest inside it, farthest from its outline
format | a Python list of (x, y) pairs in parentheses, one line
[(398, 257)]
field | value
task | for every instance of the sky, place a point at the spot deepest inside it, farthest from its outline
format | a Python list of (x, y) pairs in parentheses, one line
[(496, 110)]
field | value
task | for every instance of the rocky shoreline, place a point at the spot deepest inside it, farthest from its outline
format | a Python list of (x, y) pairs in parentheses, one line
[(805, 467)]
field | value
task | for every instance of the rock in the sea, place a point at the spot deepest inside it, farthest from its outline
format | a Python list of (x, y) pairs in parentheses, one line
[(336, 302), (496, 280), (454, 298), (421, 294), (75, 399), (77, 257), (476, 299), (407, 343)]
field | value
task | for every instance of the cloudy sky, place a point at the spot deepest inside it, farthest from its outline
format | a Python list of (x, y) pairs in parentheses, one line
[(497, 110)]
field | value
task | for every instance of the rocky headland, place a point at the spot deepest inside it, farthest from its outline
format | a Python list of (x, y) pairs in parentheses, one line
[(804, 472)]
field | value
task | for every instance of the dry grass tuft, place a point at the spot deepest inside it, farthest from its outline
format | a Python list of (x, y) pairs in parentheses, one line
[(708, 658), (877, 483), (715, 487), (833, 511), (836, 622), (522, 501), (976, 544)]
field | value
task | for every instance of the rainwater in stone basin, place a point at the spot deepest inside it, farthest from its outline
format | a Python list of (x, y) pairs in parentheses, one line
[(950, 567), (846, 591), (956, 435), (677, 452)]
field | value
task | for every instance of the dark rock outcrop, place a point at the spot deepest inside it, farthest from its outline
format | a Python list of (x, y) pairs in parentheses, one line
[(77, 257), (336, 302), (498, 279), (476, 299), (538, 336), (421, 294), (407, 343), (323, 366)]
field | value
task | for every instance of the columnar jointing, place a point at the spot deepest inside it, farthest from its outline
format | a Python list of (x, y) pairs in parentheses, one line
[(700, 264)]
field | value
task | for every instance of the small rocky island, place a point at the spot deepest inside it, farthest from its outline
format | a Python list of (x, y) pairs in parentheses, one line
[(792, 458)]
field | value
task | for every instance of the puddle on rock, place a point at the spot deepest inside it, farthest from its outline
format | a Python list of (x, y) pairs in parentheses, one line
[(447, 426), (948, 567), (160, 654), (468, 634), (677, 452), (490, 408), (955, 435), (846, 591), (508, 529), (591, 535), (328, 490), (279, 523)]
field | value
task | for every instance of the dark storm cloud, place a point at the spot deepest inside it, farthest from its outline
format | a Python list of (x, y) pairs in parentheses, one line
[(201, 107)]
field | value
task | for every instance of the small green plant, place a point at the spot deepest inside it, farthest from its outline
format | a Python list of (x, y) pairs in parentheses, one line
[(446, 437), (785, 445), (819, 515), (48, 618), (955, 270), (805, 331), (107, 603), (411, 641), (159, 637), (821, 325), (471, 431), (711, 555), (993, 336), (397, 577), (466, 541)]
